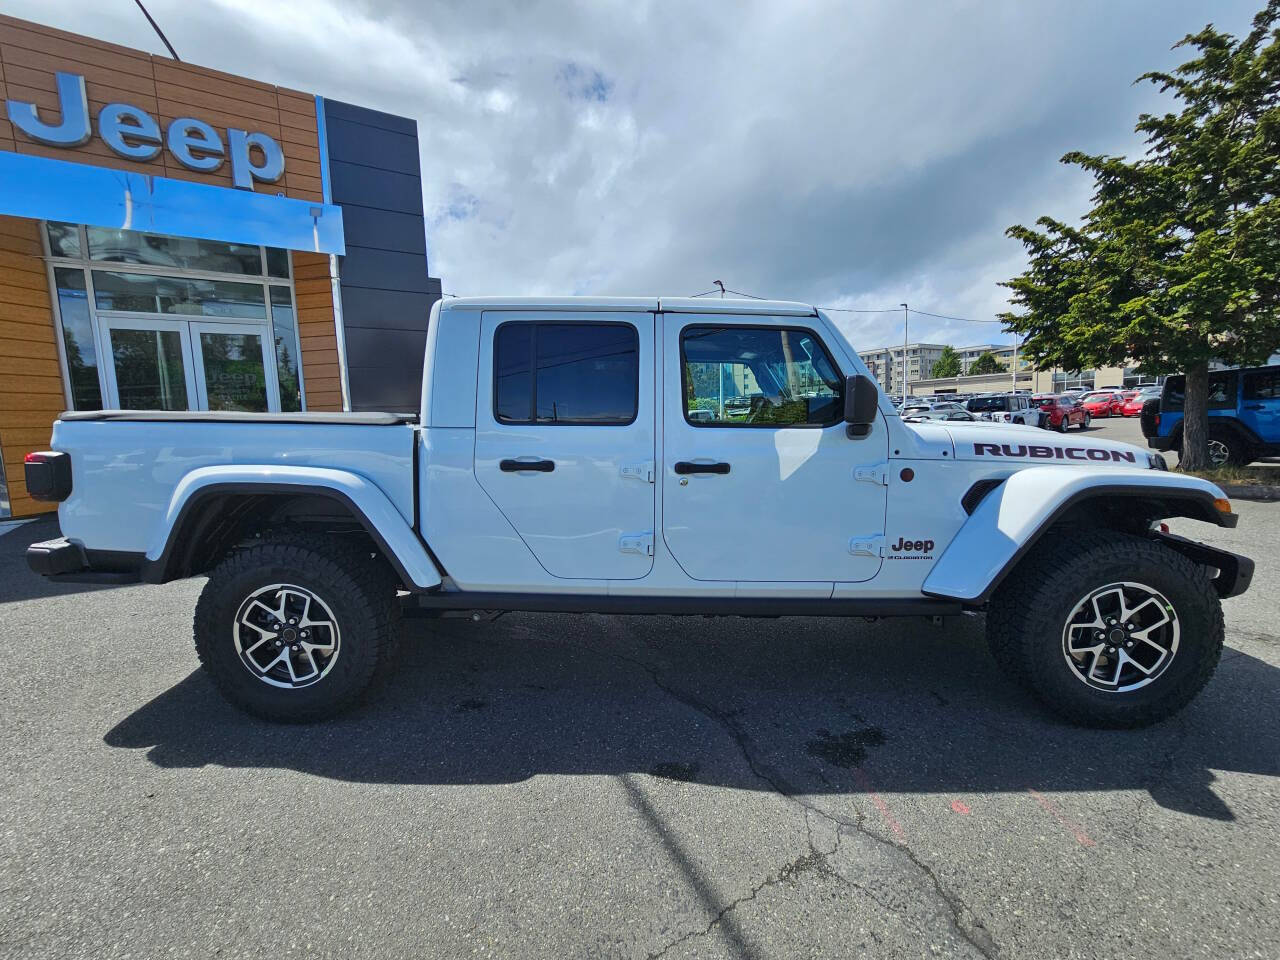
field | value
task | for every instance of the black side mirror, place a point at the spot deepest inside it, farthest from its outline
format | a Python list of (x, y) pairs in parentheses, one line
[(861, 404)]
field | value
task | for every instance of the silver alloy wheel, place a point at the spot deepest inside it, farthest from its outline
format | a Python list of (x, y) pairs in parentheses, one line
[(1219, 453), (286, 636), (1121, 637)]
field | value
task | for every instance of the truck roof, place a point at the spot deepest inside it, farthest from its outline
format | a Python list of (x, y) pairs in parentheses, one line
[(633, 304)]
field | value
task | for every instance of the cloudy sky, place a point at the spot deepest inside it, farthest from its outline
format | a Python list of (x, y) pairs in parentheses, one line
[(853, 154)]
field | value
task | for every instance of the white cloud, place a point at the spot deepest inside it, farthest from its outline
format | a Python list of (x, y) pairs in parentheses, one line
[(854, 155)]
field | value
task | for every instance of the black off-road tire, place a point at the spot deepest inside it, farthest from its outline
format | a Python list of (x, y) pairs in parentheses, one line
[(359, 590), (1027, 616)]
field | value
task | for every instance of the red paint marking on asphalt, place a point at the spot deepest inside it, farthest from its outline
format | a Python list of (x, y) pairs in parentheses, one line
[(1055, 811), (865, 783), (959, 806)]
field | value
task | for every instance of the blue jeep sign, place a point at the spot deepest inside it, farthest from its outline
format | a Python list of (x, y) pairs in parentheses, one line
[(134, 134)]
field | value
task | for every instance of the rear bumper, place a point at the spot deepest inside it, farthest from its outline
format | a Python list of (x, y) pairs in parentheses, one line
[(65, 561), (1235, 572), (1161, 443)]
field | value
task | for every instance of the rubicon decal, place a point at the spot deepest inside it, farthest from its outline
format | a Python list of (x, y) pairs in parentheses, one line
[(906, 549), (1035, 452)]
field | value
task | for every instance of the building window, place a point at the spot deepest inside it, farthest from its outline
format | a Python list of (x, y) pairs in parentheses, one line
[(79, 346), (157, 322)]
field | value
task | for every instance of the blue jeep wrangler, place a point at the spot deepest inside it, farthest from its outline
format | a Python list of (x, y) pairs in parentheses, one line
[(1244, 415)]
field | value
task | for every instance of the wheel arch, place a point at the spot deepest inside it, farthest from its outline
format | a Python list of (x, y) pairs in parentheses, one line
[(1224, 424), (213, 509), (1018, 514)]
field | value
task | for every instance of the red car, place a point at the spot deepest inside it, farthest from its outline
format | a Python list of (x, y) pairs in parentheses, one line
[(1059, 412), (1134, 399), (1102, 403)]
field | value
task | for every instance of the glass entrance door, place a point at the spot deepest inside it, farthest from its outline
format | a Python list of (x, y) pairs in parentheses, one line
[(234, 367), (149, 364)]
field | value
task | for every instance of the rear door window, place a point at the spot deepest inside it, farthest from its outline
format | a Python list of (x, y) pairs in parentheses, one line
[(1262, 385), (566, 373), (1222, 391)]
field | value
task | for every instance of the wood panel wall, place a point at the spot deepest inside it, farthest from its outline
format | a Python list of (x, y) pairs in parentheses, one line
[(314, 293), (30, 54), (31, 395), (31, 387)]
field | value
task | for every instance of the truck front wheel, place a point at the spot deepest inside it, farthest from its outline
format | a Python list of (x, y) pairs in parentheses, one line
[(1108, 629), (295, 629)]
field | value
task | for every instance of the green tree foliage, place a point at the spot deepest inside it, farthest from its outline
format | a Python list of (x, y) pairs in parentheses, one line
[(1177, 262), (986, 363), (947, 364)]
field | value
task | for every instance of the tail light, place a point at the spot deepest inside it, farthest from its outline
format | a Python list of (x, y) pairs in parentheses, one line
[(48, 475)]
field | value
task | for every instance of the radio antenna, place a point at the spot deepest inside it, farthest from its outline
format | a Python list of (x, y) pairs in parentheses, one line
[(159, 33)]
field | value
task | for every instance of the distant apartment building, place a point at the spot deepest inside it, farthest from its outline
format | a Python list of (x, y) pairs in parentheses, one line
[(885, 363), (1003, 354)]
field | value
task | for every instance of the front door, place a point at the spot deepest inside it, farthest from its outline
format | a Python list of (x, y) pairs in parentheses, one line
[(148, 364), (759, 480), (565, 437)]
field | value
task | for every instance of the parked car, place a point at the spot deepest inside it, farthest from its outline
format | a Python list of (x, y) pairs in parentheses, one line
[(1102, 403), (1134, 399), (943, 411), (1005, 408), (1061, 412), (1244, 415), (539, 475)]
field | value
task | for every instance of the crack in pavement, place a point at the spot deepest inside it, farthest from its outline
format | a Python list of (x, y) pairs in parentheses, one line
[(815, 860), (963, 919)]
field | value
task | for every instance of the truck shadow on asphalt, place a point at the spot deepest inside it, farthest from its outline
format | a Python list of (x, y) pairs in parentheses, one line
[(803, 706), (17, 582)]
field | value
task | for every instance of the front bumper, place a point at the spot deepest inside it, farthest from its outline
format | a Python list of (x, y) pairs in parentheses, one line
[(1235, 572)]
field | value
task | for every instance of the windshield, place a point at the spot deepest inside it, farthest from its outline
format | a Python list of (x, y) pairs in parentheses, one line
[(980, 404), (1043, 401)]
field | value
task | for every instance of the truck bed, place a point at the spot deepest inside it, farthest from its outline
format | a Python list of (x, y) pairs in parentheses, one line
[(127, 465), (370, 419)]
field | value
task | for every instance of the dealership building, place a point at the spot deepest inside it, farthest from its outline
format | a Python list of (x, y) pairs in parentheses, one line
[(176, 238)]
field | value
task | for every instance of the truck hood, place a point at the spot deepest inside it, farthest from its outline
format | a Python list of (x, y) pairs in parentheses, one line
[(1000, 443)]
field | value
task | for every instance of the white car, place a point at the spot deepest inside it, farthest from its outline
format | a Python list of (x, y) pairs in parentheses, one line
[(562, 460)]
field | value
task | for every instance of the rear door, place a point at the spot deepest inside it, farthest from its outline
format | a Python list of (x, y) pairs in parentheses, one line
[(565, 437), (759, 480), (1260, 403)]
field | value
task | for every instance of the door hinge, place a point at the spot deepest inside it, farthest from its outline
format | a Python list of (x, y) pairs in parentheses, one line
[(641, 543), (872, 546), (875, 473), (645, 470)]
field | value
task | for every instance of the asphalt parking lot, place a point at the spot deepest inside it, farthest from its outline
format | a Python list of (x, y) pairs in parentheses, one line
[(548, 786)]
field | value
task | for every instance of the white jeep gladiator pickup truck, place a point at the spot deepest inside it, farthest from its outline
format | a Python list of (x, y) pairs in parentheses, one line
[(643, 456)]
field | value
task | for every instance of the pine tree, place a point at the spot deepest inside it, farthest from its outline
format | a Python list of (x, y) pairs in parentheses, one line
[(1178, 261)]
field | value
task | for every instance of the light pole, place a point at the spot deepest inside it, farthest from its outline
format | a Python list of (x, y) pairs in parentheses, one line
[(1015, 362), (904, 351)]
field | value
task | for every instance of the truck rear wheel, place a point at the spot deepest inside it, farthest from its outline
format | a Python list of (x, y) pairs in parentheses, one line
[(1107, 629), (295, 629)]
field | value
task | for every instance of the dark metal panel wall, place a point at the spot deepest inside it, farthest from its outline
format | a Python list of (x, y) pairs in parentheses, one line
[(387, 292)]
